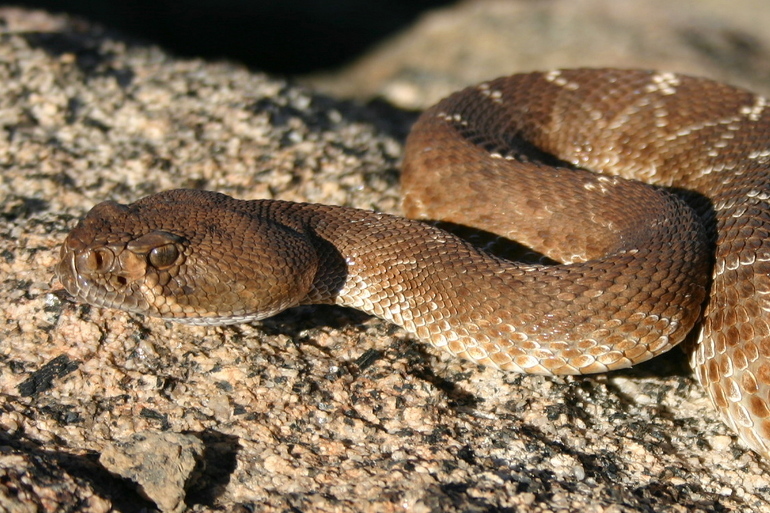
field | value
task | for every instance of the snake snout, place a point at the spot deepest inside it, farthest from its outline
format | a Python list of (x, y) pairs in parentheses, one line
[(66, 271), (100, 268)]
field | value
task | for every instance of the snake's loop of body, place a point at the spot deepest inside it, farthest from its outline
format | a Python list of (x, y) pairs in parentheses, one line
[(553, 160)]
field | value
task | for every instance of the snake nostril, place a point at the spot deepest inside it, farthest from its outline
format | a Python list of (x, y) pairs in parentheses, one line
[(97, 260)]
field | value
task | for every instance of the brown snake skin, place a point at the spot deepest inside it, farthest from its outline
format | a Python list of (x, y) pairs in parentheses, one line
[(508, 156)]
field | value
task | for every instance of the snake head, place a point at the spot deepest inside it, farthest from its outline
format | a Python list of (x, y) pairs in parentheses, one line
[(180, 256)]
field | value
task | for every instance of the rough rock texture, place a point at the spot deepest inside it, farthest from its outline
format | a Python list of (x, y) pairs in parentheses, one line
[(37, 480), (162, 464), (481, 39), (318, 409)]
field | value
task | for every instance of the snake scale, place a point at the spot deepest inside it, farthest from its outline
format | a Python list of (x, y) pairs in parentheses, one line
[(554, 160)]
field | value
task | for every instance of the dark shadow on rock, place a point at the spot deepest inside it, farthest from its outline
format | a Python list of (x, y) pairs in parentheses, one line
[(219, 460), (294, 321), (52, 465), (287, 37), (601, 467)]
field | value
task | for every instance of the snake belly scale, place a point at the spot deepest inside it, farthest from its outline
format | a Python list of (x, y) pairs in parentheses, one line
[(553, 160)]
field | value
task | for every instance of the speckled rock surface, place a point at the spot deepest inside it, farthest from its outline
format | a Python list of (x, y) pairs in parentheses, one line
[(318, 409)]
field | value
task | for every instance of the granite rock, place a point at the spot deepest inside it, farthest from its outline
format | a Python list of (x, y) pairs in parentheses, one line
[(162, 464), (319, 408)]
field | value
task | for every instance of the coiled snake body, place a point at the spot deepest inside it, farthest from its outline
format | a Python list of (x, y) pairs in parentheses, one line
[(641, 265)]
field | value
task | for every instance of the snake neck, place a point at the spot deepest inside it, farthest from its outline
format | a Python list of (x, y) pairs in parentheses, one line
[(363, 255), (500, 313)]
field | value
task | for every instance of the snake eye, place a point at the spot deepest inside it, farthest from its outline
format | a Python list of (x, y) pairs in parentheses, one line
[(98, 260), (161, 248), (163, 256)]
